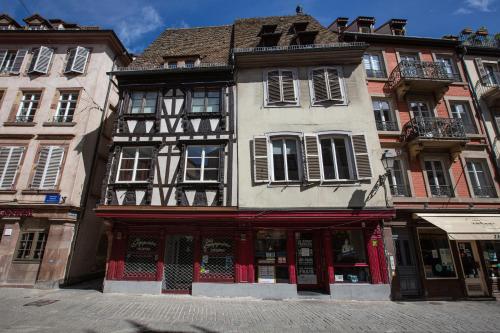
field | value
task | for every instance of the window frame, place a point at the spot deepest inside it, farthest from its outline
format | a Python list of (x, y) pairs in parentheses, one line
[(330, 101), (32, 250), (206, 90), (487, 170), (430, 106), (60, 171), (419, 229), (68, 57), (468, 110), (37, 51), (383, 69), (31, 113), (134, 170), (392, 112), (11, 64), (446, 174), (404, 174), (296, 88), (202, 167), (67, 108), (143, 103), (350, 156), (283, 137), (456, 75)]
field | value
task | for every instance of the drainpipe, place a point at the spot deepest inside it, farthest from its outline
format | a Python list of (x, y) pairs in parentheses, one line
[(89, 178)]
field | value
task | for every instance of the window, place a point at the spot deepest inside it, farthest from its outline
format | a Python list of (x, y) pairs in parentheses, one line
[(76, 60), (449, 67), (31, 245), (438, 182), (421, 109), (366, 29), (27, 107), (205, 100), (337, 158), (285, 159), (11, 60), (217, 259), (480, 179), (383, 115), (374, 65), (281, 88), (349, 257), (436, 254), (66, 107), (491, 254), (142, 102), (397, 180), (40, 61), (48, 168), (189, 63), (411, 57), (10, 158), (271, 257), (492, 73), (135, 164), (326, 85), (461, 110), (141, 258), (172, 64), (202, 164)]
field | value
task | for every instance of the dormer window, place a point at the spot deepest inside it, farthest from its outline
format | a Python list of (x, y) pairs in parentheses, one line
[(172, 64), (189, 63), (299, 27), (366, 29), (268, 29), (398, 32), (268, 35), (37, 27), (305, 38)]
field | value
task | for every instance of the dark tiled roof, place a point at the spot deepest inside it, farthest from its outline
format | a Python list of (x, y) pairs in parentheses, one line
[(246, 31), (211, 44)]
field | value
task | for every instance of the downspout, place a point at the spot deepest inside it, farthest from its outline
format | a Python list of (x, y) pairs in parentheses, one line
[(89, 178)]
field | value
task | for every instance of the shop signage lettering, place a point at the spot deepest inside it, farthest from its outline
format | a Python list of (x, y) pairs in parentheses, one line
[(212, 246), (16, 212), (143, 245)]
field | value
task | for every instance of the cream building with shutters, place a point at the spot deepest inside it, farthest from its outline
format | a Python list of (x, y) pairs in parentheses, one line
[(55, 97)]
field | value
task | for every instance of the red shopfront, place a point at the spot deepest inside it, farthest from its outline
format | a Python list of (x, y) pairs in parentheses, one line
[(310, 251)]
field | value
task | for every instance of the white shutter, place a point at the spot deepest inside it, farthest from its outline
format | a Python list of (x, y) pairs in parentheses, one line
[(70, 60), (80, 60), (288, 87), (48, 167), (319, 85), (273, 87), (334, 85), (10, 157), (483, 75), (312, 151), (3, 54), (260, 162), (18, 61), (362, 158), (42, 60)]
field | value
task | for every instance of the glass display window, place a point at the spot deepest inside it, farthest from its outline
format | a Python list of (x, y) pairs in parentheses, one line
[(271, 257), (491, 254), (436, 254), (217, 259), (349, 257)]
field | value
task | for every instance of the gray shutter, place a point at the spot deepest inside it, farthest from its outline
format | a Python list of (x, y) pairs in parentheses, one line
[(33, 60), (312, 152), (334, 84), (10, 157), (481, 70), (40, 167), (43, 61), (273, 87), (80, 61), (53, 167), (320, 92), (70, 60), (18, 61), (260, 163), (362, 158), (288, 87), (3, 54)]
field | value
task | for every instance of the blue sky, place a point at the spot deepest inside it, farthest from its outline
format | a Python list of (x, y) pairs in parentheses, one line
[(138, 22)]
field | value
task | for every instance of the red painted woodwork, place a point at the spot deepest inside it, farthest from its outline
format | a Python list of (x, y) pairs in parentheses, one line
[(327, 251), (376, 257), (161, 257), (290, 249), (251, 257), (196, 257)]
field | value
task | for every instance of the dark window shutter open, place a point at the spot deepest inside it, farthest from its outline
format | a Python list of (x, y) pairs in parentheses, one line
[(481, 70), (10, 157), (334, 84), (273, 87), (80, 61), (319, 86), (363, 167), (288, 87), (18, 61), (34, 58), (70, 60), (260, 163), (312, 158)]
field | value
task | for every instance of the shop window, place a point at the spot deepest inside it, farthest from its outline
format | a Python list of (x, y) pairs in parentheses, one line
[(349, 257), (217, 260), (140, 261), (491, 253), (436, 255), (271, 257), (31, 245)]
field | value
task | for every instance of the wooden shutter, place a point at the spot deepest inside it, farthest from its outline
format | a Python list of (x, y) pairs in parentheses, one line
[(48, 167), (320, 92), (18, 61), (80, 61), (10, 157), (3, 54), (34, 58), (43, 62), (312, 152), (260, 163), (273, 87), (362, 158), (481, 70), (288, 87), (69, 61), (334, 84)]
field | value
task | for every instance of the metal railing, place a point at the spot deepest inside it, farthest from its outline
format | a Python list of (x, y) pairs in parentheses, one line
[(437, 128), (373, 73), (485, 191), (419, 70), (298, 47), (481, 41), (441, 191), (399, 190), (132, 68), (387, 125), (25, 119), (62, 119), (488, 82)]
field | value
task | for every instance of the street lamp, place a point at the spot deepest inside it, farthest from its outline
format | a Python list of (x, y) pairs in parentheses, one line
[(388, 163)]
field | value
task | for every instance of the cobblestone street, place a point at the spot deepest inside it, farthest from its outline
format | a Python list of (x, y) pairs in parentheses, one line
[(25, 310)]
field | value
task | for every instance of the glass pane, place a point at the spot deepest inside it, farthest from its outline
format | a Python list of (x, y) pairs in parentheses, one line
[(193, 162), (199, 93), (278, 161), (128, 152), (125, 175), (436, 255), (292, 160), (144, 164), (212, 151), (352, 275), (212, 163), (326, 153), (197, 108), (136, 102), (212, 175), (141, 175), (145, 152), (348, 247), (342, 159), (193, 174), (127, 164), (150, 103), (194, 151)]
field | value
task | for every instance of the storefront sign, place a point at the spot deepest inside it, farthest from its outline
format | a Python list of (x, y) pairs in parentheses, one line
[(7, 232), (212, 246), (143, 245), (16, 212), (53, 198)]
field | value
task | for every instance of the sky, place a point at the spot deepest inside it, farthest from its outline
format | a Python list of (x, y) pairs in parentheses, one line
[(139, 22)]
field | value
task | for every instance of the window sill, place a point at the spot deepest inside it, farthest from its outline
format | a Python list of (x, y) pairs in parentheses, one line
[(328, 104), (19, 124), (203, 114), (148, 116), (389, 133), (274, 106), (377, 79), (44, 191), (285, 184), (56, 124), (330, 183), (475, 136), (26, 261), (7, 74), (8, 191)]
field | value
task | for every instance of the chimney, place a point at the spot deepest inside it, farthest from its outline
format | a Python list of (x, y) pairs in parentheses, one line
[(339, 24), (299, 10)]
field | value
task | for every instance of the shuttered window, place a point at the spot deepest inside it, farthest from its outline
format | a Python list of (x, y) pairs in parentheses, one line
[(77, 60), (260, 162), (285, 159), (10, 158), (11, 60), (326, 85), (281, 88), (48, 167), (336, 158), (40, 61)]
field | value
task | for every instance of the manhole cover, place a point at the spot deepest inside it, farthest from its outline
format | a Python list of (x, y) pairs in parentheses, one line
[(41, 302)]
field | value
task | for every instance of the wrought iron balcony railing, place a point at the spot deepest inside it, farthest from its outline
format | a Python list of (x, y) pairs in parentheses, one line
[(387, 125), (399, 191), (63, 119), (441, 191), (25, 119), (481, 41), (433, 128), (419, 70), (487, 83), (372, 73), (485, 191)]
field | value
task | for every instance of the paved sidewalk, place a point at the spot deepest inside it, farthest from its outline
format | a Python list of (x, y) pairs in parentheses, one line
[(31, 310)]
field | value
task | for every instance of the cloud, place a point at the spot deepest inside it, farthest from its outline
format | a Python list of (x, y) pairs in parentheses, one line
[(462, 10), (481, 5), (132, 30)]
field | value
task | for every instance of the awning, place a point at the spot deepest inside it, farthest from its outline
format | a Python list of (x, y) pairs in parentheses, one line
[(466, 226)]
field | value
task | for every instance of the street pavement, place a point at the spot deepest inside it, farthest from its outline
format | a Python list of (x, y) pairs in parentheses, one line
[(89, 311)]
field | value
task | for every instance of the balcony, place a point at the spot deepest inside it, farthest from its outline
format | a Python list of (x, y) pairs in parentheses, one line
[(421, 77), (484, 191), (488, 88), (434, 134), (441, 191)]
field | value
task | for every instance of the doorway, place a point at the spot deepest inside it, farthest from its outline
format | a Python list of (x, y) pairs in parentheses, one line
[(309, 262), (406, 268), (178, 264), (471, 267)]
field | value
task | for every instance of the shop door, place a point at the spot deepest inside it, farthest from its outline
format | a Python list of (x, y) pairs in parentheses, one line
[(471, 267), (178, 264), (406, 268), (308, 262)]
